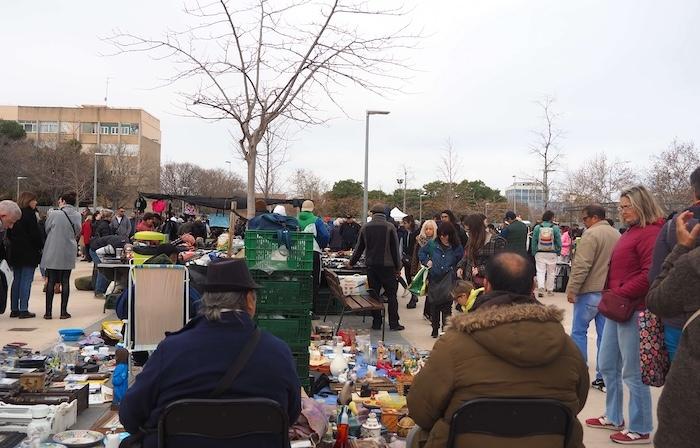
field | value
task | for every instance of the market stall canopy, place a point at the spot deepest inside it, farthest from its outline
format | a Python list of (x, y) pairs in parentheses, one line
[(219, 203), (397, 214)]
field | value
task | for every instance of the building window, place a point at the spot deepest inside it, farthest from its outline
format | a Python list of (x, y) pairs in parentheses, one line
[(88, 128), (29, 126), (109, 128), (68, 128), (48, 127), (129, 129)]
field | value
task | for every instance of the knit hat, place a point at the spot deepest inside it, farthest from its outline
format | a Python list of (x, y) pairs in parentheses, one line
[(307, 206), (379, 208), (280, 210), (260, 205)]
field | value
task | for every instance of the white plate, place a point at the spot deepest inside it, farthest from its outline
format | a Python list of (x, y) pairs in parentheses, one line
[(78, 438)]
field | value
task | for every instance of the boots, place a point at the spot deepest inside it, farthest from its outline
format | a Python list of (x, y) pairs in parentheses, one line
[(412, 303)]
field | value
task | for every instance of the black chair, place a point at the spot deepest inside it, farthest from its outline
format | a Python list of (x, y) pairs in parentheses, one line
[(511, 417), (224, 419)]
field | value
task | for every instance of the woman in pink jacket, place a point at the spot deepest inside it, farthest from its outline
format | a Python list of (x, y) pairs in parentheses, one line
[(619, 351)]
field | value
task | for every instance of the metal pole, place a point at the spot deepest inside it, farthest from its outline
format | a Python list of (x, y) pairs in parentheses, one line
[(515, 207), (404, 189), (94, 187), (18, 189), (365, 198), (420, 208)]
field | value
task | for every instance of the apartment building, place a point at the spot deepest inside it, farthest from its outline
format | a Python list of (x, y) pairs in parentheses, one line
[(98, 128)]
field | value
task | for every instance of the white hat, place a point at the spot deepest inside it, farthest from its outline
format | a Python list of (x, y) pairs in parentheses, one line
[(307, 206), (280, 210)]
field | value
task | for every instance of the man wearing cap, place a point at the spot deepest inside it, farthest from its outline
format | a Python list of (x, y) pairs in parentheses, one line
[(310, 223), (379, 242), (515, 233), (193, 362)]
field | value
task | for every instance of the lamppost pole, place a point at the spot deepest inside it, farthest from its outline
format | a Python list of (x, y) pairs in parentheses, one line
[(94, 181), (365, 197), (514, 205), (18, 179), (420, 207)]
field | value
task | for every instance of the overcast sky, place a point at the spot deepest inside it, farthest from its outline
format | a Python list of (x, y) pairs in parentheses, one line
[(624, 74)]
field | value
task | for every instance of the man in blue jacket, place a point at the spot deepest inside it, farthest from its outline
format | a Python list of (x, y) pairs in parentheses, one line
[(193, 361)]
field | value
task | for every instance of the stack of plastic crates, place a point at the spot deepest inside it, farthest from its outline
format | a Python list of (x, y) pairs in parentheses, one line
[(286, 297)]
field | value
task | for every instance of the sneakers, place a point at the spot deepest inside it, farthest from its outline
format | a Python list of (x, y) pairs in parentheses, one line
[(550, 293), (540, 293), (599, 384), (412, 303), (26, 315), (626, 437), (397, 327), (604, 423)]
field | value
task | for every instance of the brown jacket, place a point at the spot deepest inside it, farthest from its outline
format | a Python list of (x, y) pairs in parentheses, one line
[(499, 351), (675, 292), (589, 271)]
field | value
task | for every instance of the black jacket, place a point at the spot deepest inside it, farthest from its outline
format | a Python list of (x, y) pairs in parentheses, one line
[(101, 228), (349, 231), (25, 240), (380, 244)]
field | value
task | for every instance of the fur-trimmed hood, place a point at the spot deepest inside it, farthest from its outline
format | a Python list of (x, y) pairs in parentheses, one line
[(525, 334)]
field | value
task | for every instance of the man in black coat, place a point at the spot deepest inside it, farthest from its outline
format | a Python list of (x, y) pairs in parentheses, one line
[(193, 361), (379, 242)]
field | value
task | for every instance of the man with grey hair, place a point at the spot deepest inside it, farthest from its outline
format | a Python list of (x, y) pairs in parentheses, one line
[(196, 361), (10, 213)]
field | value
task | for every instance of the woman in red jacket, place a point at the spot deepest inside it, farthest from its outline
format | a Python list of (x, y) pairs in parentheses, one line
[(86, 233), (619, 349)]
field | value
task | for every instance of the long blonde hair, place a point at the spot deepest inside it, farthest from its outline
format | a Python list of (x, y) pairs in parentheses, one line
[(426, 224), (644, 203)]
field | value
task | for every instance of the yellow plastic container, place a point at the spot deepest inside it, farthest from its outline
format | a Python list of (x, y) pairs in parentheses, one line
[(154, 237)]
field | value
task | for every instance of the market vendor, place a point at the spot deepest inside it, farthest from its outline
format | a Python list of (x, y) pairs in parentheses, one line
[(192, 362)]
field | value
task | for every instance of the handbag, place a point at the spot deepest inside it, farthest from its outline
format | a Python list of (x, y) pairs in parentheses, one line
[(653, 356), (439, 291), (617, 308)]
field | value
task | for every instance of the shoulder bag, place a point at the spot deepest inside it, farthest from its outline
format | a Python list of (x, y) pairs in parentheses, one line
[(653, 356), (617, 308)]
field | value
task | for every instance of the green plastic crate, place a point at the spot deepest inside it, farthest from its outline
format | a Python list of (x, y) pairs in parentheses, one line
[(293, 329), (302, 362), (284, 292), (260, 245)]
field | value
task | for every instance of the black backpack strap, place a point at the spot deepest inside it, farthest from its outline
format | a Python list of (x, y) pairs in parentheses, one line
[(237, 365)]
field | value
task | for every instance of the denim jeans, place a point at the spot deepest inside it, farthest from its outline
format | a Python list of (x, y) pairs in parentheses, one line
[(586, 310), (101, 282), (672, 336), (21, 287), (619, 361)]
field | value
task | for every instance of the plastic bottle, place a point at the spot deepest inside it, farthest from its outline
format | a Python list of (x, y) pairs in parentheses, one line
[(341, 439)]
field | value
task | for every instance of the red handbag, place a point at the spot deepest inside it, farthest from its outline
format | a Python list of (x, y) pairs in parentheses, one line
[(617, 308)]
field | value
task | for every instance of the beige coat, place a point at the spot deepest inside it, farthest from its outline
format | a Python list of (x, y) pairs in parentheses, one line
[(499, 351), (590, 267)]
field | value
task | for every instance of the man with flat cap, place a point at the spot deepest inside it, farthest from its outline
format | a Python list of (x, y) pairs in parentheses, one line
[(379, 242), (193, 362)]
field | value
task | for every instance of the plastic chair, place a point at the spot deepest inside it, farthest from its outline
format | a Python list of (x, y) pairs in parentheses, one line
[(159, 307), (224, 419), (511, 417)]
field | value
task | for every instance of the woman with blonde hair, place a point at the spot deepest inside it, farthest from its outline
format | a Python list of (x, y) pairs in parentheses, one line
[(428, 232), (619, 351)]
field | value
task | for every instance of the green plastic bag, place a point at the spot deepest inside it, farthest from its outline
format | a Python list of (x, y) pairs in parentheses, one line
[(420, 282)]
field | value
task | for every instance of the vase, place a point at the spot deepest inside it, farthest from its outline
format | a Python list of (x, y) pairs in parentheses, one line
[(339, 363)]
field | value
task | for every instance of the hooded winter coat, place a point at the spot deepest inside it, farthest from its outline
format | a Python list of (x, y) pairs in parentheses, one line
[(500, 351)]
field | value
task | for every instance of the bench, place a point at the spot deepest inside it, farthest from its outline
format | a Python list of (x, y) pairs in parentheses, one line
[(353, 304)]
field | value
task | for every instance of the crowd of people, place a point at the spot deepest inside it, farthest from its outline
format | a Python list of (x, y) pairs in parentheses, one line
[(493, 278)]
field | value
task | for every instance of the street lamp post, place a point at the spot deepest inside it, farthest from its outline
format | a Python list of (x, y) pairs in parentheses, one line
[(94, 183), (365, 198), (18, 179), (229, 166), (420, 207), (514, 204), (400, 182)]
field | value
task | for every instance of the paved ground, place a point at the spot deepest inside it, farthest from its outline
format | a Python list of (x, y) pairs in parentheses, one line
[(87, 311), (418, 330), (42, 334)]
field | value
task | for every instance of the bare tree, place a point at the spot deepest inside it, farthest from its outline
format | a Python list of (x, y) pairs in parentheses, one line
[(120, 174), (450, 165), (546, 146), (597, 180), (270, 159), (670, 171), (307, 185), (191, 179), (256, 62)]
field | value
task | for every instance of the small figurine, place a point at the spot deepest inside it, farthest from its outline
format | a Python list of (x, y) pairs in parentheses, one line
[(120, 376)]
